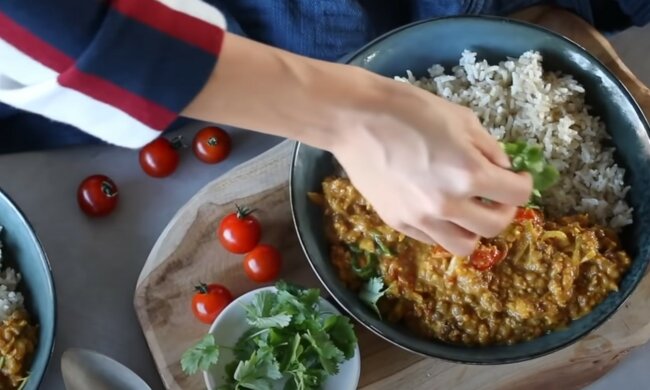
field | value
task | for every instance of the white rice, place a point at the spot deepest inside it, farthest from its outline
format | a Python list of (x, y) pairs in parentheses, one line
[(10, 299), (516, 100)]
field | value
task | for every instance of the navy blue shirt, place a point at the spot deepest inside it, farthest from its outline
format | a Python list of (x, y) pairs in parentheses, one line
[(326, 30)]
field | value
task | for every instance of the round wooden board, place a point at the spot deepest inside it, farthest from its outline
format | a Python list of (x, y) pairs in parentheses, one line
[(187, 252)]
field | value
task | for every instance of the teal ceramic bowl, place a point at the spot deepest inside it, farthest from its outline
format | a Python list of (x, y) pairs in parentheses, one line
[(23, 252), (417, 47)]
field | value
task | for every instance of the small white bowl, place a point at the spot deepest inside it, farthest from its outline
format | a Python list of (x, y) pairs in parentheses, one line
[(231, 324)]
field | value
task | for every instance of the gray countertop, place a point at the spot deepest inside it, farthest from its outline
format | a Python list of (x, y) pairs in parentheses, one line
[(96, 262)]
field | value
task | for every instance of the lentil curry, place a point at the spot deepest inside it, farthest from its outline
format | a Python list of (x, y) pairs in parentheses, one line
[(18, 332), (17, 344), (536, 276)]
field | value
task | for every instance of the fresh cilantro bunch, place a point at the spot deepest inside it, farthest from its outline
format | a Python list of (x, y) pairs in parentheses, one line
[(530, 158), (290, 340)]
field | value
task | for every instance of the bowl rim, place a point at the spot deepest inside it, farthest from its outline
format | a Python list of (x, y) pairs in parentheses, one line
[(251, 294), (50, 278), (347, 59)]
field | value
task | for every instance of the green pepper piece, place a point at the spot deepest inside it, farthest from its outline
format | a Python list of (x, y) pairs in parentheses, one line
[(383, 249), (367, 271)]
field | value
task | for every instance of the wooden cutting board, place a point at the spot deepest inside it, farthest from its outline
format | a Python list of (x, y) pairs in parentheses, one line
[(187, 253)]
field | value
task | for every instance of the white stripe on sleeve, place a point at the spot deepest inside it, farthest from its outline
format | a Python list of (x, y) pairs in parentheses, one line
[(68, 106), (20, 67)]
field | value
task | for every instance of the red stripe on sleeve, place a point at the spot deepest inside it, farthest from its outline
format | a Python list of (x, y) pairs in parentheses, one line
[(33, 46), (142, 109), (181, 26)]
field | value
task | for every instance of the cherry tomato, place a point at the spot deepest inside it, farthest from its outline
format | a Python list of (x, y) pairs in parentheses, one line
[(488, 255), (263, 263), (97, 195), (528, 214), (160, 158), (209, 301), (239, 232), (211, 145)]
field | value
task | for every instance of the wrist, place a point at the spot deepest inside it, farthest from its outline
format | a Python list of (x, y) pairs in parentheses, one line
[(261, 88), (361, 103), (351, 103), (341, 98)]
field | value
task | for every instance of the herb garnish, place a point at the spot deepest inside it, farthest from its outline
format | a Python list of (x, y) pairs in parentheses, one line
[(368, 270), (371, 292), (530, 158), (383, 248), (290, 338), (201, 356)]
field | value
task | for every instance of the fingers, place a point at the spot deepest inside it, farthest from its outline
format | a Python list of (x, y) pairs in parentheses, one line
[(450, 236), (431, 230), (417, 234), (504, 186), (484, 219), (501, 185), (490, 148)]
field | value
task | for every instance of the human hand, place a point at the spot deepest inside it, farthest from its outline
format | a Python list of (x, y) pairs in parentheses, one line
[(423, 163), (427, 166)]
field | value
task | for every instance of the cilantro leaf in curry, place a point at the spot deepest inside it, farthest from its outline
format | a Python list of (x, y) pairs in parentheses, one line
[(371, 292)]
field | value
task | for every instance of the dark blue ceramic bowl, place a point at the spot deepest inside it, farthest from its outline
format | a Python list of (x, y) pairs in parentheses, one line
[(417, 47), (23, 252)]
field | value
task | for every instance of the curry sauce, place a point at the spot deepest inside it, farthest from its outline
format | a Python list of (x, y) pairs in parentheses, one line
[(17, 345), (536, 276)]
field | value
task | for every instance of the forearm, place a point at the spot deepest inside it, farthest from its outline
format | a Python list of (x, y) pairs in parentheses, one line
[(272, 91)]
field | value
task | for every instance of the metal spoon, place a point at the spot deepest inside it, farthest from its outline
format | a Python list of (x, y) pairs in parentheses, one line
[(84, 369)]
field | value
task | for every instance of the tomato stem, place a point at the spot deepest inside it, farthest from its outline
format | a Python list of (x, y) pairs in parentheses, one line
[(177, 142), (213, 141), (243, 211), (201, 288), (108, 189)]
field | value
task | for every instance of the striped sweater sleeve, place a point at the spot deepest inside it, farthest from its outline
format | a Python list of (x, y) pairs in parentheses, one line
[(121, 70)]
